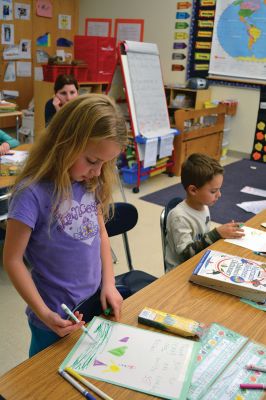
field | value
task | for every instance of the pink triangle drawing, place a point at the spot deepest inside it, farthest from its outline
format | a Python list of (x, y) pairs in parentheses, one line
[(125, 339), (97, 362)]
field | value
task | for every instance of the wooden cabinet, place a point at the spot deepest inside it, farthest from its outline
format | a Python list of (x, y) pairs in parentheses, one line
[(197, 135), (45, 90), (177, 98)]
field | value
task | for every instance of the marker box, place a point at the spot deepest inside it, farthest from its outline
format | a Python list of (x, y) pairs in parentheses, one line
[(170, 322)]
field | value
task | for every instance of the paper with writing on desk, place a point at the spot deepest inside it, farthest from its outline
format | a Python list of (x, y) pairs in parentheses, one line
[(138, 359), (254, 239), (15, 157), (220, 366)]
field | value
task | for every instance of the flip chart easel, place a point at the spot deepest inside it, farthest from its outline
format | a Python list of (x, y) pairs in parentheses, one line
[(138, 86)]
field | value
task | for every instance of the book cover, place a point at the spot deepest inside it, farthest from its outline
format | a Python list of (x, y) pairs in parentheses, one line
[(231, 274)]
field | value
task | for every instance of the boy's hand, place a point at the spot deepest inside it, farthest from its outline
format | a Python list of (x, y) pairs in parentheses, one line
[(232, 230)]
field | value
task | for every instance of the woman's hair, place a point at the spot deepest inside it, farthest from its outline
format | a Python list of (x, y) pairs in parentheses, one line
[(199, 169), (87, 117), (63, 80)]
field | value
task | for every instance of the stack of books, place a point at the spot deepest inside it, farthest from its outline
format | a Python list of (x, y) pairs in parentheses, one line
[(6, 106)]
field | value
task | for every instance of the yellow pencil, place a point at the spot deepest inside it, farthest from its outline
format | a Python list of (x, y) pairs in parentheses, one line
[(88, 384)]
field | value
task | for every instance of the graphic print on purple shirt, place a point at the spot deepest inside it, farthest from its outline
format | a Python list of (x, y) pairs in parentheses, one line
[(78, 221), (65, 253)]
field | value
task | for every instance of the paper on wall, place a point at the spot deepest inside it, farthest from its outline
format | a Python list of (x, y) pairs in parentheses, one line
[(10, 73), (24, 68)]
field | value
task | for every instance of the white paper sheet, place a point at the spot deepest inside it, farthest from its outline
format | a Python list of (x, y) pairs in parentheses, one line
[(24, 68), (254, 240), (253, 206), (150, 154), (166, 146), (135, 358), (254, 191)]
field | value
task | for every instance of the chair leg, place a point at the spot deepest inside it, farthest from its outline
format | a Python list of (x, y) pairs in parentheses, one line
[(114, 258), (128, 254)]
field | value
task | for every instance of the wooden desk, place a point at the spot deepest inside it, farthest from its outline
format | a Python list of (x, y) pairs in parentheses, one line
[(16, 114), (37, 378), (8, 180)]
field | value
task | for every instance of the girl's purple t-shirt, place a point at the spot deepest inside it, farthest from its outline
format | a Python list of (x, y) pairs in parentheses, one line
[(63, 252)]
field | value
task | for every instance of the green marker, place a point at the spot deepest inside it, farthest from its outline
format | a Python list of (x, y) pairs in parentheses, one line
[(107, 311)]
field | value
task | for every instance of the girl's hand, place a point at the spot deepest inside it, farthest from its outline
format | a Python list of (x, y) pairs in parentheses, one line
[(232, 230), (110, 297), (62, 326), (4, 148)]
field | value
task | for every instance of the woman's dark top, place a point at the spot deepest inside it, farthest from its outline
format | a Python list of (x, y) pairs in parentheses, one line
[(49, 112)]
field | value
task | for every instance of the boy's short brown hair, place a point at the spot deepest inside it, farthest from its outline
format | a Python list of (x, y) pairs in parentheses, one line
[(199, 169)]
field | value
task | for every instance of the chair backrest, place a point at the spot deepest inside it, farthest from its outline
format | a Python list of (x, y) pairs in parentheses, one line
[(163, 219), (124, 219)]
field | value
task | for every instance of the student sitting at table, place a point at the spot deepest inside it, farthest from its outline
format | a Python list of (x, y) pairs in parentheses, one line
[(188, 224), (65, 89), (7, 143)]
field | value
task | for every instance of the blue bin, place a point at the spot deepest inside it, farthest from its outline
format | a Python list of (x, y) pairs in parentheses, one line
[(130, 175)]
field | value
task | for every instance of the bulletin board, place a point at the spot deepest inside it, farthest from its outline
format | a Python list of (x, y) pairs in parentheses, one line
[(31, 29)]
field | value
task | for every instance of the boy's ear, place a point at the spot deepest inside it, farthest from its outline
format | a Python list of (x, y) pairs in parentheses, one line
[(192, 190)]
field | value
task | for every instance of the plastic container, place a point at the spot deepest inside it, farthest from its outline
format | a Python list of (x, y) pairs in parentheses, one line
[(130, 175), (80, 72), (50, 72)]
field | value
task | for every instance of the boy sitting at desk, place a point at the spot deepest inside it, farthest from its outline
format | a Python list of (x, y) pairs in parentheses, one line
[(188, 224), (6, 143)]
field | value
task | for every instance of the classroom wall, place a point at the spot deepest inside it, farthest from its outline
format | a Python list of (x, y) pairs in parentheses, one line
[(159, 17)]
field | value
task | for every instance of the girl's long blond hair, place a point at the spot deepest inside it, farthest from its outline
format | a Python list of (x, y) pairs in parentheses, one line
[(87, 117)]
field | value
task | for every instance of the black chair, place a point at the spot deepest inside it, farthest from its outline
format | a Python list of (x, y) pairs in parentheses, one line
[(163, 219), (124, 219)]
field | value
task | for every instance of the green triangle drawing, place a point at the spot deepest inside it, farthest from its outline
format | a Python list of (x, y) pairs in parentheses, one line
[(119, 351)]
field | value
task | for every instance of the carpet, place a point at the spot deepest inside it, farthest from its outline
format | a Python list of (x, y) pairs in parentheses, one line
[(237, 175)]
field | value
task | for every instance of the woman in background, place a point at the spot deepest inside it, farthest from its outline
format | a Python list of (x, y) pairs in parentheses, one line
[(65, 89)]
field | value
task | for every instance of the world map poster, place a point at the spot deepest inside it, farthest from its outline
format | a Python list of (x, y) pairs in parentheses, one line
[(239, 37)]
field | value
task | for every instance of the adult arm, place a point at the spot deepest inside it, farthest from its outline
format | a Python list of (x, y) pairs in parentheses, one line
[(5, 138)]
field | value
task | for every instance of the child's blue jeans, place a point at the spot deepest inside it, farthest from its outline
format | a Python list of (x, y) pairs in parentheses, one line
[(42, 338)]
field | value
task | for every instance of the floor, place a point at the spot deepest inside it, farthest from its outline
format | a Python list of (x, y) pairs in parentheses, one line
[(145, 244)]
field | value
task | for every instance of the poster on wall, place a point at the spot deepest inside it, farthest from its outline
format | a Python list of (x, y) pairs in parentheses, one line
[(238, 45), (181, 38), (259, 146), (98, 27), (6, 10), (64, 22), (22, 11), (44, 8), (129, 29), (201, 33), (7, 34)]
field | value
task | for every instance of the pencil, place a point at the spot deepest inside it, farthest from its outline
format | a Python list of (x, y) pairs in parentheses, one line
[(88, 384), (256, 368)]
